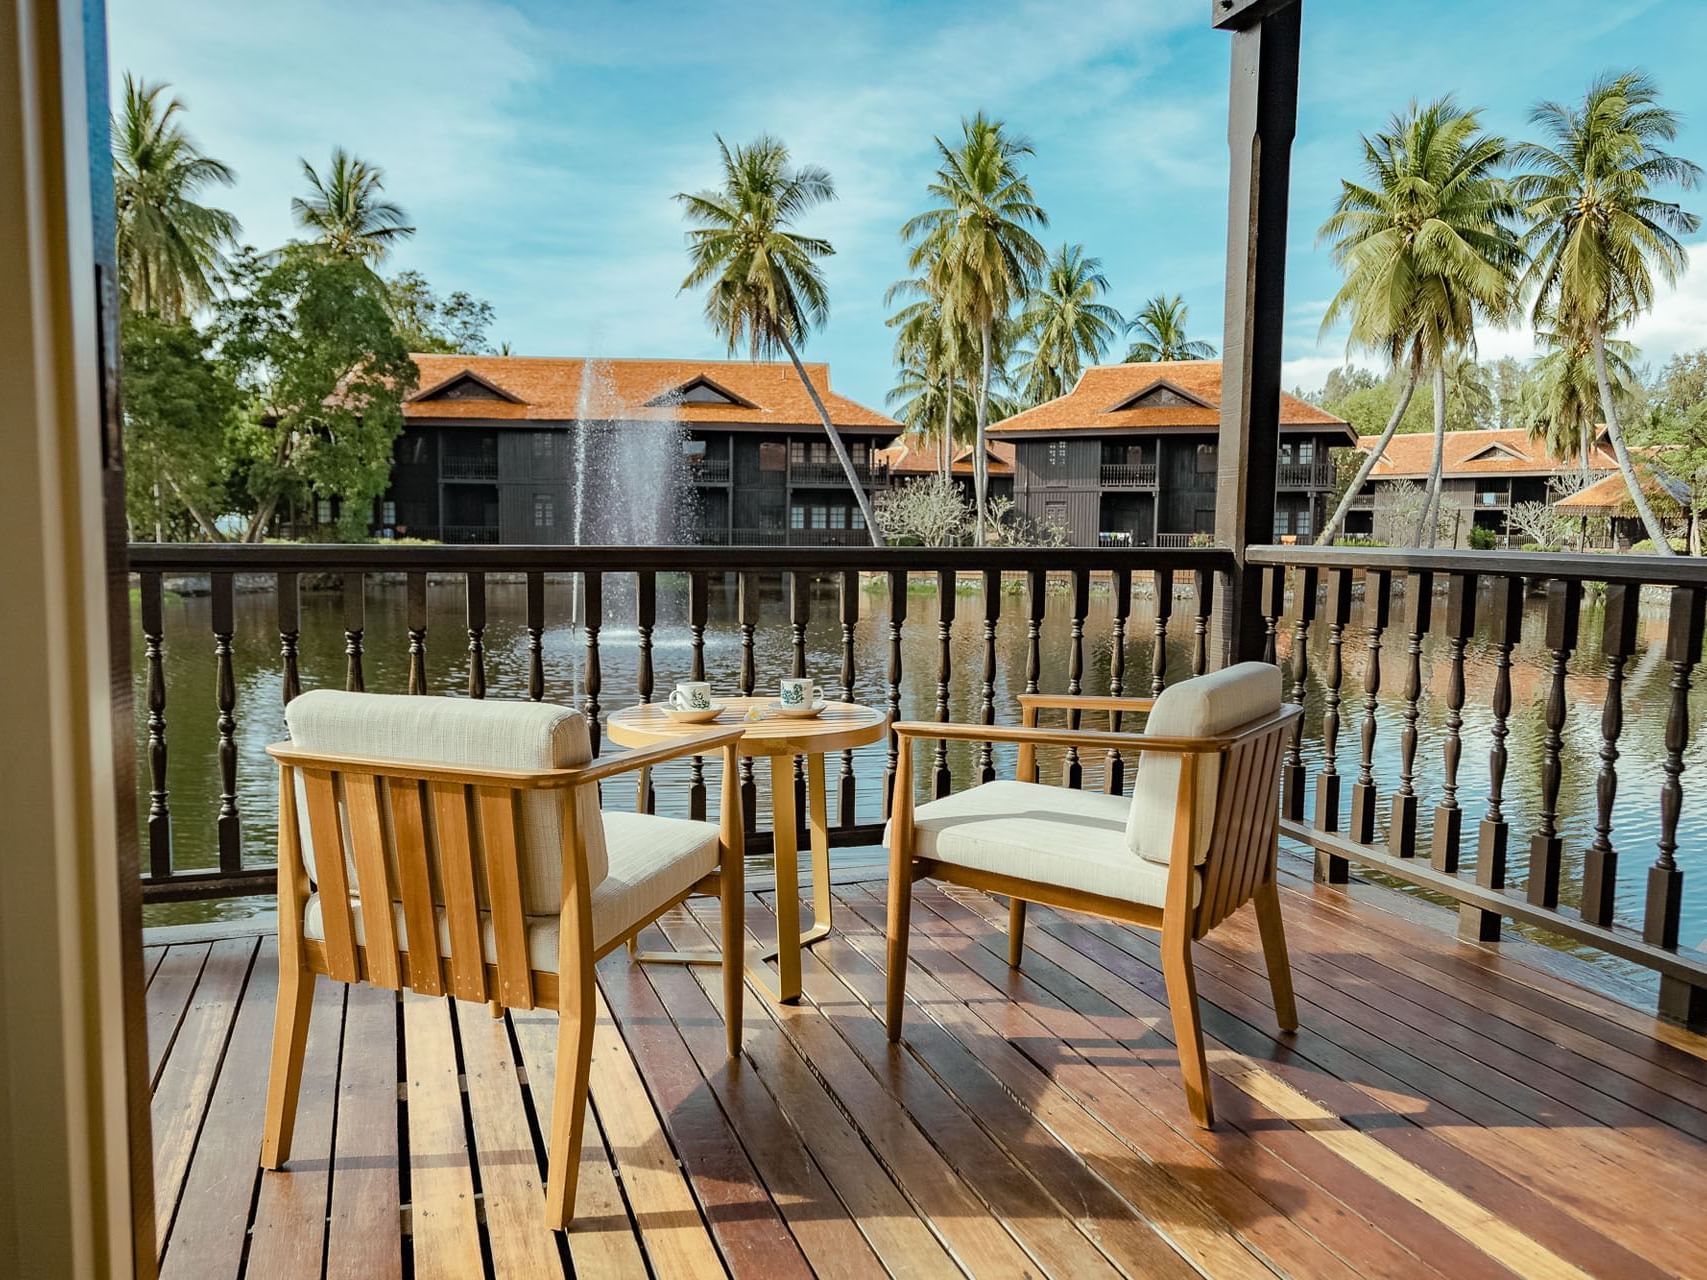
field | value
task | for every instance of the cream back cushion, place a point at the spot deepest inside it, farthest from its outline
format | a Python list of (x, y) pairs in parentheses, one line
[(1205, 706), (481, 734)]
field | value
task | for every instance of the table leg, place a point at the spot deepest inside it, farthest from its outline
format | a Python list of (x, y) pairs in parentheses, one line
[(786, 826), (820, 823)]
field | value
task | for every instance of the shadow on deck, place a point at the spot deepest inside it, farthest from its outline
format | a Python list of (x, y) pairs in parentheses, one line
[(1445, 1110)]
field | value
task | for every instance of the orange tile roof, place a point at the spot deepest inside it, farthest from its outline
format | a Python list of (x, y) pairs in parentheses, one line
[(910, 457), (1610, 496), (1093, 403), (1493, 452), (548, 389)]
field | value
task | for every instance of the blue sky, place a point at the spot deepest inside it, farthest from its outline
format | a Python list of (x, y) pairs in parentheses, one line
[(537, 146)]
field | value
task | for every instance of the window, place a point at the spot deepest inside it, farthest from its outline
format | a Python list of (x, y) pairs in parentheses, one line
[(838, 517), (797, 452), (323, 511), (820, 452), (773, 455), (1285, 452), (388, 513), (1206, 460), (1055, 513), (1301, 522), (542, 444), (544, 511), (856, 519), (820, 518), (859, 451), (1306, 450), (693, 451), (797, 517), (1282, 523), (1057, 453)]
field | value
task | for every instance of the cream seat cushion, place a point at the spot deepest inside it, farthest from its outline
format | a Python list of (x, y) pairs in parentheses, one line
[(481, 733), (1071, 839), (652, 861), (1205, 706)]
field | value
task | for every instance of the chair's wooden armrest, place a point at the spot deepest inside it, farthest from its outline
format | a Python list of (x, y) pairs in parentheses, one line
[(1084, 702), (698, 744), (1039, 735)]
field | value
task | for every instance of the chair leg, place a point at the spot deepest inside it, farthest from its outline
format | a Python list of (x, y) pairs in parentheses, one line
[(900, 914), (569, 1104), (1267, 903), (1016, 931), (494, 1008), (732, 898), (1188, 1030), (284, 1083)]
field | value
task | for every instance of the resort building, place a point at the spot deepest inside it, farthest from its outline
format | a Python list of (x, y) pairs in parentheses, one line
[(911, 459), (1483, 475), (1128, 457), (733, 450)]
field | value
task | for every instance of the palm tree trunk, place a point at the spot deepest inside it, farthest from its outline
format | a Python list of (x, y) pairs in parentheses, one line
[(1332, 527), (1651, 522), (946, 459), (858, 486), (980, 461), (1428, 523)]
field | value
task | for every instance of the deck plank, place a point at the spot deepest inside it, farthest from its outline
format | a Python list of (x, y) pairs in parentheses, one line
[(364, 1229), (444, 1230), (169, 992)]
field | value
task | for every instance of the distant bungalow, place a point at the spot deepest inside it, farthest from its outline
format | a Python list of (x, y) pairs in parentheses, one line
[(1128, 457), (911, 459)]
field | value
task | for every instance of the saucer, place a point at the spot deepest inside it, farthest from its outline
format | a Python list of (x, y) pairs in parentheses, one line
[(800, 713), (693, 715)]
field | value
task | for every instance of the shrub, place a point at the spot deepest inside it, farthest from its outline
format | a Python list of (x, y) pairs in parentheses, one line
[(1482, 538)]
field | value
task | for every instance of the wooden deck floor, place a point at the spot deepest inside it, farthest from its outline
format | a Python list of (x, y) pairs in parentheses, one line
[(1445, 1111)]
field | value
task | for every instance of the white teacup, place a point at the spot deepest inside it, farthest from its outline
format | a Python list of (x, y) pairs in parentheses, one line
[(799, 692), (691, 695)]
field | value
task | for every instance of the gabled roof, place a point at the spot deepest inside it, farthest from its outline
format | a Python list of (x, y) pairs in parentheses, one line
[(1494, 452), (456, 386), (550, 389), (912, 457), (1610, 496), (1164, 395)]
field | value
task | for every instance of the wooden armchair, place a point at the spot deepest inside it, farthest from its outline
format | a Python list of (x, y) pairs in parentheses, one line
[(477, 825), (1196, 841)]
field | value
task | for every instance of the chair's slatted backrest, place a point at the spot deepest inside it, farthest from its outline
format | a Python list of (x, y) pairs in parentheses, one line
[(500, 816), (415, 882), (327, 831), (1242, 840), (454, 841)]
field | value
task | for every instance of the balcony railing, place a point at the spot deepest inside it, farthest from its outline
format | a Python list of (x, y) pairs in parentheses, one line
[(1129, 475), (1171, 540), (482, 467), (710, 471), (1304, 475), (831, 474), (717, 536), (481, 534), (1384, 781)]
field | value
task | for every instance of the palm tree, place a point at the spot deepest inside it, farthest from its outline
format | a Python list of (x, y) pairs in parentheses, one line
[(1161, 328), (930, 358), (171, 250), (1426, 246), (346, 211), (1560, 401), (976, 249), (1065, 324), (1597, 234), (766, 289)]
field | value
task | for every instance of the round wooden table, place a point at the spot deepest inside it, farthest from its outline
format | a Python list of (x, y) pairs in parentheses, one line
[(841, 726)]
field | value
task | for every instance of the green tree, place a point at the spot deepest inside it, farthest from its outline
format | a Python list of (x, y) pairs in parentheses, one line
[(1161, 326), (312, 342), (171, 249), (456, 323), (1469, 399), (179, 408), (1597, 233), (1674, 431), (346, 211), (1506, 378), (764, 287), (1426, 246), (975, 246), (1064, 324), (930, 360), (1560, 403)]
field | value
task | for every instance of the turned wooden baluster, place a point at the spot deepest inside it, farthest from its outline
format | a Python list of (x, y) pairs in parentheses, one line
[(1072, 772), (159, 808), (416, 610), (845, 787), (1377, 607), (1402, 822), (946, 581), (1546, 849), (897, 616), (1273, 607), (747, 612), (799, 615), (1679, 1001), (1292, 774), (1203, 595), (592, 618), (225, 698), (536, 636), (355, 621), (699, 611), (476, 601), (1036, 600), (645, 618), (1505, 616), (1329, 867), (1461, 591), (987, 707), (1159, 645), (290, 628), (1114, 766), (1622, 607)]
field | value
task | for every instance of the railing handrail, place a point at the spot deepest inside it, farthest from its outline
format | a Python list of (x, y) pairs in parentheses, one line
[(1649, 570), (311, 557)]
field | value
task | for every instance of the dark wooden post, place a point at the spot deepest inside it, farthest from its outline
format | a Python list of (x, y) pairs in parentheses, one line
[(1273, 606), (355, 621), (592, 618), (159, 807), (946, 581), (699, 610), (1262, 109), (747, 610), (290, 627), (897, 617), (1072, 772), (536, 636), (225, 698), (416, 607), (1506, 604), (1292, 776), (987, 708), (1203, 604), (1377, 603), (1114, 768), (1460, 629), (1159, 649), (1419, 605), (1618, 641), (850, 618), (1546, 849), (1333, 869), (1036, 596), (799, 617), (476, 601), (1679, 1001)]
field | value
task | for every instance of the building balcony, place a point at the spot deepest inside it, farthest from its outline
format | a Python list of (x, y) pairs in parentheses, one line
[(1128, 475), (476, 534), (483, 467), (709, 471), (831, 475), (1304, 475)]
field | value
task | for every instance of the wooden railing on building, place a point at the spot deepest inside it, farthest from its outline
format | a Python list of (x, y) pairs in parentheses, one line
[(1304, 475), (1129, 475)]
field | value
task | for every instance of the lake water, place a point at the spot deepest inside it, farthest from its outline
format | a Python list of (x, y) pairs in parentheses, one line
[(193, 775)]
